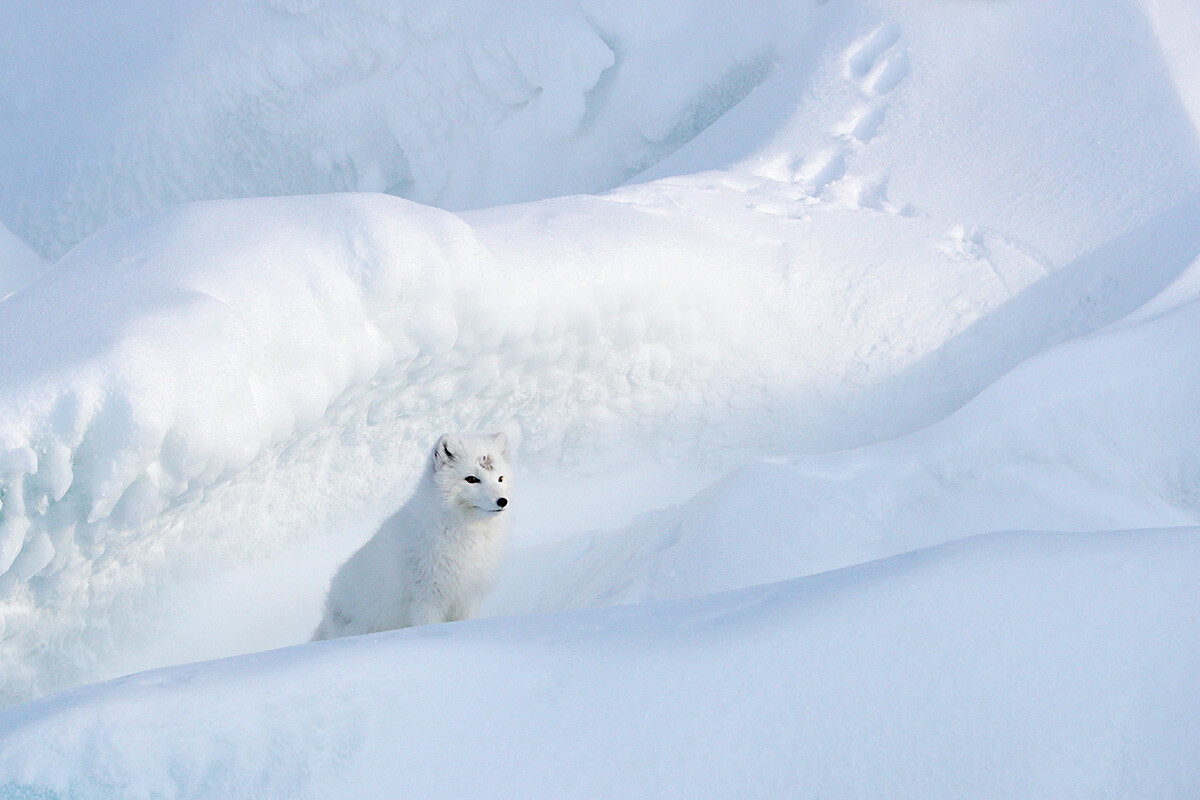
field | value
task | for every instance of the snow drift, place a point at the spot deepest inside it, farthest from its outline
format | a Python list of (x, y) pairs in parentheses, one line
[(282, 376), (1010, 665)]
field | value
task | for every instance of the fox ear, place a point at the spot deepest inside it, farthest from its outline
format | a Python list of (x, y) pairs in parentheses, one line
[(446, 451), (501, 440)]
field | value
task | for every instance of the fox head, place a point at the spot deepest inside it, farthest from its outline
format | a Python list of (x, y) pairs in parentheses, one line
[(473, 474)]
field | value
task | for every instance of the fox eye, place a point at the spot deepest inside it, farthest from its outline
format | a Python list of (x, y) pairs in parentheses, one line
[(471, 479), (500, 479)]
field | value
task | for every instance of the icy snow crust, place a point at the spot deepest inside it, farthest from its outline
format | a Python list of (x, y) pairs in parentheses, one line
[(909, 287)]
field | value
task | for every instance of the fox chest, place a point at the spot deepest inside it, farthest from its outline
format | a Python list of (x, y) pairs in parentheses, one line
[(459, 562)]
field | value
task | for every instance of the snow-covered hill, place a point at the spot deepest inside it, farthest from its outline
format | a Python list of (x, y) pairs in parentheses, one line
[(850, 279)]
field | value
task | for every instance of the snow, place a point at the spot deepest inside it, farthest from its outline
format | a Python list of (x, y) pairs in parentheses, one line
[(1095, 434), (1006, 665), (461, 104), (18, 263), (797, 311)]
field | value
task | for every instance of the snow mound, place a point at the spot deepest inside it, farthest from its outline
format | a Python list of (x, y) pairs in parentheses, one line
[(201, 385), (1007, 665), (1058, 127)]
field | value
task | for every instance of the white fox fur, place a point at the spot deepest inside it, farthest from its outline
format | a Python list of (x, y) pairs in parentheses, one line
[(433, 560)]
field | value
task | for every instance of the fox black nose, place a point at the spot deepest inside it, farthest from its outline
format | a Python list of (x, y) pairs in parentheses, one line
[(502, 502)]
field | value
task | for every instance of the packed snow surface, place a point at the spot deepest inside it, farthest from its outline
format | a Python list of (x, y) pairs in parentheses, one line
[(793, 308)]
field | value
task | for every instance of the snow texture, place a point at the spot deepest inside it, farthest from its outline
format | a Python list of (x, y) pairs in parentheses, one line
[(797, 308)]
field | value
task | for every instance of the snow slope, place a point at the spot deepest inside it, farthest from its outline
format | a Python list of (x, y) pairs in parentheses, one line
[(1008, 665), (909, 285)]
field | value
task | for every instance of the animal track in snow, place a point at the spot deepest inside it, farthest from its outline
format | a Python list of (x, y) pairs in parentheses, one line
[(865, 54), (862, 124), (877, 62), (888, 74), (875, 65), (1013, 266), (819, 171)]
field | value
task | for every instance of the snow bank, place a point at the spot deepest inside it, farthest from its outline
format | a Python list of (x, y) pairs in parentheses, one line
[(1009, 665), (197, 387), (132, 108), (1034, 113)]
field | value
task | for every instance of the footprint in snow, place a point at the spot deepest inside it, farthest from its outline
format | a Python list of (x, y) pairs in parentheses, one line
[(862, 124), (865, 55), (875, 65)]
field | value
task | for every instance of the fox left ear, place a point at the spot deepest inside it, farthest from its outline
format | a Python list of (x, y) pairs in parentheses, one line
[(501, 440), (446, 451)]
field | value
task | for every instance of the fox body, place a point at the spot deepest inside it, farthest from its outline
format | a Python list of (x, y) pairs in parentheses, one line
[(434, 559)]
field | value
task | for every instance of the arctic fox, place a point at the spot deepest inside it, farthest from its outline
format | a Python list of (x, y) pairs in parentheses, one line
[(433, 560)]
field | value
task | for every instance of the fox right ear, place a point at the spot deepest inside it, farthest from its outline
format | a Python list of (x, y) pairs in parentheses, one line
[(446, 451), (501, 440)]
